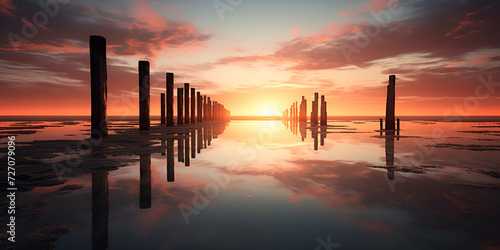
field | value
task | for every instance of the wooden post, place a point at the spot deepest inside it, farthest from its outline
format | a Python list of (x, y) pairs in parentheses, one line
[(187, 160), (98, 87), (390, 105), (144, 119), (200, 105), (186, 103), (205, 109), (180, 120), (162, 96), (323, 111), (398, 123), (170, 99), (209, 107), (315, 109), (193, 105), (381, 124)]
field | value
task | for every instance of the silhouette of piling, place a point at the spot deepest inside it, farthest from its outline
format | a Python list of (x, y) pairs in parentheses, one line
[(314, 112), (323, 111), (303, 110), (162, 96), (193, 105), (205, 108), (98, 87), (170, 99), (144, 119), (209, 107), (398, 125), (381, 124), (200, 107), (390, 105), (180, 149), (186, 103), (180, 120)]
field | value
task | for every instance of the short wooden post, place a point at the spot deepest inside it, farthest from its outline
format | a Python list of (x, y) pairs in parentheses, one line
[(186, 103), (398, 124), (390, 105), (193, 105), (98, 87), (180, 111), (187, 161), (144, 119), (162, 96), (200, 107), (170, 99), (381, 124)]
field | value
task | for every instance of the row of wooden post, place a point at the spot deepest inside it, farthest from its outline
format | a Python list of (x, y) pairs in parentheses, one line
[(299, 113), (200, 107)]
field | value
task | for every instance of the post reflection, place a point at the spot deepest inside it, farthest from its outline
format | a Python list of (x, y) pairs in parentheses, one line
[(145, 182), (389, 153), (170, 160), (100, 210)]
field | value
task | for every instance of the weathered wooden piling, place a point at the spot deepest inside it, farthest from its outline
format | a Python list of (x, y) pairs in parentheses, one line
[(200, 107), (170, 99), (398, 124), (381, 124), (98, 87), (314, 113), (180, 111), (180, 149), (390, 105), (145, 181), (162, 119), (303, 110), (323, 111), (193, 105), (144, 119), (205, 108), (193, 143), (186, 103), (209, 107)]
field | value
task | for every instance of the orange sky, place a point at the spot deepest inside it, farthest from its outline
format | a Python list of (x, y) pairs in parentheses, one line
[(447, 60)]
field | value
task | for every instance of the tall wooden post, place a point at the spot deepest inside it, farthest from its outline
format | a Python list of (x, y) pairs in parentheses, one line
[(205, 109), (98, 87), (162, 96), (209, 107), (144, 119), (314, 119), (180, 116), (186, 103), (323, 111), (170, 99), (390, 105), (193, 105), (200, 105)]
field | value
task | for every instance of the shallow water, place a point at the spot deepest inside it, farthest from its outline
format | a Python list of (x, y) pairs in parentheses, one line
[(270, 185)]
